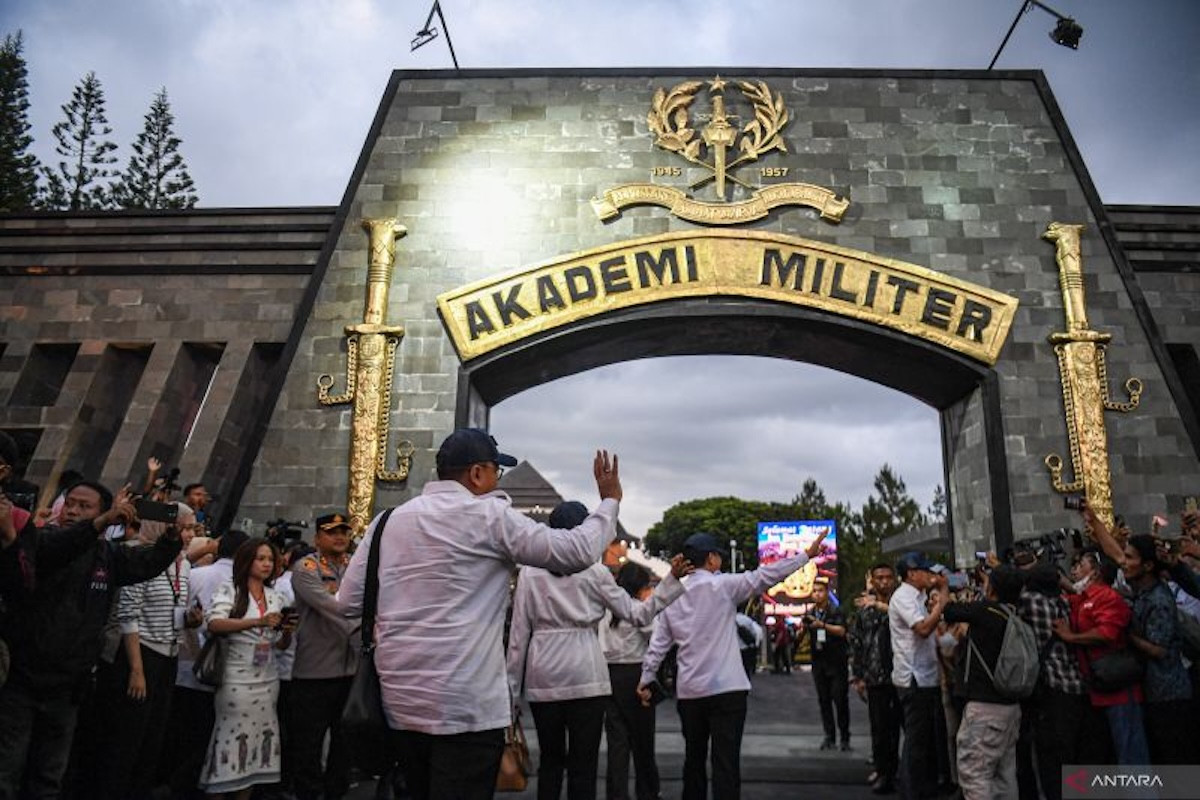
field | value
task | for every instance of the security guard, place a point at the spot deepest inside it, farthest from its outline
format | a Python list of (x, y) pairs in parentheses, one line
[(326, 660)]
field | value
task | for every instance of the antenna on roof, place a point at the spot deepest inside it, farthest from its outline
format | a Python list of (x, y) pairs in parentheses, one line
[(427, 34)]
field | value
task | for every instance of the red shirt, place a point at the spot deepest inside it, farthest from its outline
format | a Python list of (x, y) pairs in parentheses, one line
[(1101, 608)]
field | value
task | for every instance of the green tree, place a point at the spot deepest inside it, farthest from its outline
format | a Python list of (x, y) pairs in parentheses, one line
[(937, 507), (727, 518), (888, 511), (18, 167), (81, 180), (156, 176)]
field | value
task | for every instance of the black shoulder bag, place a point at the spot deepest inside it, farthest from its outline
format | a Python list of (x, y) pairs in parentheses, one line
[(363, 722)]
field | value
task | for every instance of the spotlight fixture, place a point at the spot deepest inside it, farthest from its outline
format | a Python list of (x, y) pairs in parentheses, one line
[(1067, 32), (428, 33)]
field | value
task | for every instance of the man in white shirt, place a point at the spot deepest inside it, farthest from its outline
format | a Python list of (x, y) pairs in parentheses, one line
[(915, 668), (444, 566), (712, 685)]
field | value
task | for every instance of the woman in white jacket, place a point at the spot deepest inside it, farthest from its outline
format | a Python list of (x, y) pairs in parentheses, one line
[(555, 658)]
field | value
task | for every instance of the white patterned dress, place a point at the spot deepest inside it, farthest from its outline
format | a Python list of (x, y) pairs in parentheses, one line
[(244, 748)]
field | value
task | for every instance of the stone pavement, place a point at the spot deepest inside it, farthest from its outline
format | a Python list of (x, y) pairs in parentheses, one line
[(781, 758)]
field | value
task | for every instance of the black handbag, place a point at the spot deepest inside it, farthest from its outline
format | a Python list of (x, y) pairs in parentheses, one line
[(364, 725), (1112, 672), (209, 666)]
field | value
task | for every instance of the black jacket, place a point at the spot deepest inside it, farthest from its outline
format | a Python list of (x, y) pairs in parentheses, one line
[(54, 622)]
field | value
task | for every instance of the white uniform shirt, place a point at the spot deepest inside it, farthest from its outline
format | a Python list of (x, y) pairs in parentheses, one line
[(202, 583), (444, 565), (554, 644), (912, 655), (624, 643), (702, 624)]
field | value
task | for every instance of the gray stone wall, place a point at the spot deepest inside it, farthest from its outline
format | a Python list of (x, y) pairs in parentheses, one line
[(161, 306), (959, 173)]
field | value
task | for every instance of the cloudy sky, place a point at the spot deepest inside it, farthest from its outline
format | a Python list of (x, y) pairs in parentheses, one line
[(273, 100)]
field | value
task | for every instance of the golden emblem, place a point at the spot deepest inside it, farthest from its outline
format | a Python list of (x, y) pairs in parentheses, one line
[(712, 147)]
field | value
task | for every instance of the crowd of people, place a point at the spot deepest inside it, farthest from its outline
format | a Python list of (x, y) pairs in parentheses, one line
[(1111, 638), (142, 655)]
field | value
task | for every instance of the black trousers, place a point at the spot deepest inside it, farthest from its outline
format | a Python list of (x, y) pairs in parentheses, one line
[(629, 728), (833, 691), (921, 707), (568, 740), (36, 728), (1057, 719), (316, 708), (1170, 732), (719, 719), (883, 709), (132, 748), (191, 724), (782, 659), (460, 766)]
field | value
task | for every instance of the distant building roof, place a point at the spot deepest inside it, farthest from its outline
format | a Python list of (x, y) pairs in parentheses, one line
[(534, 497), (531, 493)]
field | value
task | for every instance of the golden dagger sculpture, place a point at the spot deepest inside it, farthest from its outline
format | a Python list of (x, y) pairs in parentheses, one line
[(370, 363), (1084, 374)]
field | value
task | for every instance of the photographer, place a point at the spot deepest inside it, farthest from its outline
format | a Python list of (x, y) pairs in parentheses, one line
[(56, 638), (826, 630)]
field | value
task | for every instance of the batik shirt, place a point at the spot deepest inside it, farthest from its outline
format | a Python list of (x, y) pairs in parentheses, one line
[(871, 647), (1154, 620)]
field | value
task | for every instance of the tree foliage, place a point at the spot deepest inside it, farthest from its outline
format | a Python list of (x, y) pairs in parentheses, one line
[(156, 175), (82, 179), (888, 511), (18, 167)]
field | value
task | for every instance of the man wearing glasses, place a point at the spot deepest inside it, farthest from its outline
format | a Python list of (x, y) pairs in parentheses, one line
[(444, 566)]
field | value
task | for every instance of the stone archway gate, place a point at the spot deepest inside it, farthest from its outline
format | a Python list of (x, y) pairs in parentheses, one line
[(900, 226)]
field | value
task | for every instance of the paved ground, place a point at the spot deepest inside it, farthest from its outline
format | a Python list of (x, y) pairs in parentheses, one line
[(780, 755)]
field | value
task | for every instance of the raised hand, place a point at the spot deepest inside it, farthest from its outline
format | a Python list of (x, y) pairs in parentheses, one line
[(681, 567), (608, 475)]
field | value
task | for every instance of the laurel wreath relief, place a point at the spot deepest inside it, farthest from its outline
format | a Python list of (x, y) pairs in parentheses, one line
[(670, 121)]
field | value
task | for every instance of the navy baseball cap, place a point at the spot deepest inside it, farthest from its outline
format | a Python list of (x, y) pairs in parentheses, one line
[(467, 446), (914, 560), (700, 545)]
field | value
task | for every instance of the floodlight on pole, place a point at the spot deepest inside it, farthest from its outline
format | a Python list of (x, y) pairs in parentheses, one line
[(1067, 32), (428, 33)]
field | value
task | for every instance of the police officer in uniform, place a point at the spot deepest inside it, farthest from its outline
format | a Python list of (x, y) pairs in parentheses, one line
[(326, 660)]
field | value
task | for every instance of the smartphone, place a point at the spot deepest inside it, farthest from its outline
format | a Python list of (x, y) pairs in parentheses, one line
[(23, 500), (957, 581), (156, 512), (1073, 502)]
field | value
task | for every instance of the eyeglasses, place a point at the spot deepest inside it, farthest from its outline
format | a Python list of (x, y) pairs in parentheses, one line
[(499, 470)]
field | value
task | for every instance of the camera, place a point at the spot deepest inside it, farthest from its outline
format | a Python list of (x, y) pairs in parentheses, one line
[(1073, 502), (25, 500), (155, 512), (282, 533)]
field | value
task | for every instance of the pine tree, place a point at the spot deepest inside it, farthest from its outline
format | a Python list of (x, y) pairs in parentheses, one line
[(18, 167), (156, 176), (82, 138)]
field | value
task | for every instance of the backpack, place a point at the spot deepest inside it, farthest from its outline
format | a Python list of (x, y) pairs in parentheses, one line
[(1015, 675), (746, 635)]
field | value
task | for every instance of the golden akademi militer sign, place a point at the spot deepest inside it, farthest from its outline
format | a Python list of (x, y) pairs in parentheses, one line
[(490, 314)]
